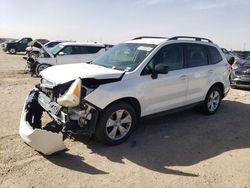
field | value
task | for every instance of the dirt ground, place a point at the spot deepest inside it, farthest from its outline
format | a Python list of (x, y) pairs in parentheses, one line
[(186, 149)]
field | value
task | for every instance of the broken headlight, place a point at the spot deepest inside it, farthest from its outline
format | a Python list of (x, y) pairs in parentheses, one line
[(72, 97)]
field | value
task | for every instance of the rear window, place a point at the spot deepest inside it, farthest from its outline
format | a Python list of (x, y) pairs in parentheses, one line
[(214, 55)]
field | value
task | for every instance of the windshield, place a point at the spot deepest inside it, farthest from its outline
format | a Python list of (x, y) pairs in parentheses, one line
[(125, 56), (56, 49)]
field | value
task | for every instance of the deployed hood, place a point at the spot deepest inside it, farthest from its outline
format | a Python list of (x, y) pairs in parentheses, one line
[(60, 74)]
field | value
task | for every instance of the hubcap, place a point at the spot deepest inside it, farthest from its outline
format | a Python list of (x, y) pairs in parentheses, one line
[(12, 50), (213, 101), (118, 124)]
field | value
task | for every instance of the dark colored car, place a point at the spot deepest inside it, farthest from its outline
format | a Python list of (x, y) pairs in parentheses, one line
[(240, 76), (17, 45)]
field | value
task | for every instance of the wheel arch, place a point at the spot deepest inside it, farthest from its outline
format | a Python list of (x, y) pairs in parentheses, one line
[(219, 85), (130, 100)]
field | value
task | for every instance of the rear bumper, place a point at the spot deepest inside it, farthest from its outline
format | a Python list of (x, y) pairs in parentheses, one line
[(41, 140)]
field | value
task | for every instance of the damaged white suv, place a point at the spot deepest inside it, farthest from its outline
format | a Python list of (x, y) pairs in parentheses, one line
[(134, 79)]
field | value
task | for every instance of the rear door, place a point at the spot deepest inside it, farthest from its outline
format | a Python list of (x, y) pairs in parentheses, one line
[(198, 71)]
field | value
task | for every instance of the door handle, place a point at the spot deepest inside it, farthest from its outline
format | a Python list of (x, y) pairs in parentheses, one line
[(210, 71), (183, 77)]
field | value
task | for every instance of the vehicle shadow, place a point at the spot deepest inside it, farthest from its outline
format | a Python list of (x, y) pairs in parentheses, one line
[(73, 162), (181, 139)]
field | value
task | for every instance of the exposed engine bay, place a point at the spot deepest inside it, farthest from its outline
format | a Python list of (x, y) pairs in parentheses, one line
[(66, 106)]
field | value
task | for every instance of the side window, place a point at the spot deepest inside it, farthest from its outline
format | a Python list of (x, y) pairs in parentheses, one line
[(93, 49), (196, 55), (76, 50), (170, 55), (25, 41), (214, 55), (67, 50)]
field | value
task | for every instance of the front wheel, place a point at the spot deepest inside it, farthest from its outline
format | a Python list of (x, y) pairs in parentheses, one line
[(213, 99), (12, 50), (116, 123), (41, 67)]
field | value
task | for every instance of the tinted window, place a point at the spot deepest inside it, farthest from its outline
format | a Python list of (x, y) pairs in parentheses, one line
[(214, 54), (67, 50), (93, 49), (196, 55), (52, 44), (170, 55)]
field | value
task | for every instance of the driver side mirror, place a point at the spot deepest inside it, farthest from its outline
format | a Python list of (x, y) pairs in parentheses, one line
[(159, 69), (61, 53)]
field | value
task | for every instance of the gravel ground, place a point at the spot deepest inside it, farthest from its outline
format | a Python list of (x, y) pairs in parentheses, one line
[(185, 149)]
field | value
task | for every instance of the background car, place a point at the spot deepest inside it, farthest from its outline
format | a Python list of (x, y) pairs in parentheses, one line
[(240, 76), (68, 53), (19, 45), (35, 51)]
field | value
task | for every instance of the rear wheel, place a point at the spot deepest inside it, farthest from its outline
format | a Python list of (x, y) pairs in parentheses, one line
[(41, 67), (213, 99), (12, 50), (116, 123)]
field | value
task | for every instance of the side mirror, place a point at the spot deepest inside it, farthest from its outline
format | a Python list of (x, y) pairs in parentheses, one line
[(159, 69), (231, 60), (61, 53)]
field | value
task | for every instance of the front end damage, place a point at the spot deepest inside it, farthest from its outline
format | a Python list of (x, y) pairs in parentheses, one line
[(80, 119)]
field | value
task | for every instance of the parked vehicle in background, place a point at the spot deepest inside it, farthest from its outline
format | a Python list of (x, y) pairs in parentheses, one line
[(240, 76), (42, 41), (138, 78), (230, 55), (66, 53), (35, 51), (17, 46)]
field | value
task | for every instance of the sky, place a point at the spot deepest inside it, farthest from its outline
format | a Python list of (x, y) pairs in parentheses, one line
[(225, 22)]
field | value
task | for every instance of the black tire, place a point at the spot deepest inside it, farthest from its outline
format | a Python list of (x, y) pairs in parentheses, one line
[(103, 130), (12, 50), (41, 67), (211, 106)]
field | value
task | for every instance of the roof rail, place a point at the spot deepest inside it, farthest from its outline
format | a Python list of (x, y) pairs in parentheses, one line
[(148, 37), (188, 37)]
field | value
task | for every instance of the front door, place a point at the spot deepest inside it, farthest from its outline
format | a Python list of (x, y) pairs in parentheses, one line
[(167, 91)]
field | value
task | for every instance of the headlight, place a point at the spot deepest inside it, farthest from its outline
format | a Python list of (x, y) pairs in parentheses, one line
[(235, 66), (71, 98), (46, 83)]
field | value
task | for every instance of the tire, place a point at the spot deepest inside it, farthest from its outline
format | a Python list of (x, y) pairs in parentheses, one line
[(41, 67), (109, 125), (12, 50), (212, 101)]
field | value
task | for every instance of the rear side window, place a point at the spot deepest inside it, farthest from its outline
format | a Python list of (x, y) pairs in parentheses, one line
[(196, 55), (214, 55), (93, 49)]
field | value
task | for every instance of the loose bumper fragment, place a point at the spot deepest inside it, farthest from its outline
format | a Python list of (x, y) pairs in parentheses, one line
[(41, 140)]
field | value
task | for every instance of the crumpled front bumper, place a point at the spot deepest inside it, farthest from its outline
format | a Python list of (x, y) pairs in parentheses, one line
[(41, 140)]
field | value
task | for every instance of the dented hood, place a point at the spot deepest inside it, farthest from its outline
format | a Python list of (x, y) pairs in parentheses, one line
[(60, 74)]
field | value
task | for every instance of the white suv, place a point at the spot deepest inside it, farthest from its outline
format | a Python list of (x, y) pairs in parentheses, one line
[(138, 78), (68, 53)]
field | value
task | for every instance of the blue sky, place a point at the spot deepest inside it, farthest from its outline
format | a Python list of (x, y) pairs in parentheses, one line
[(226, 22)]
